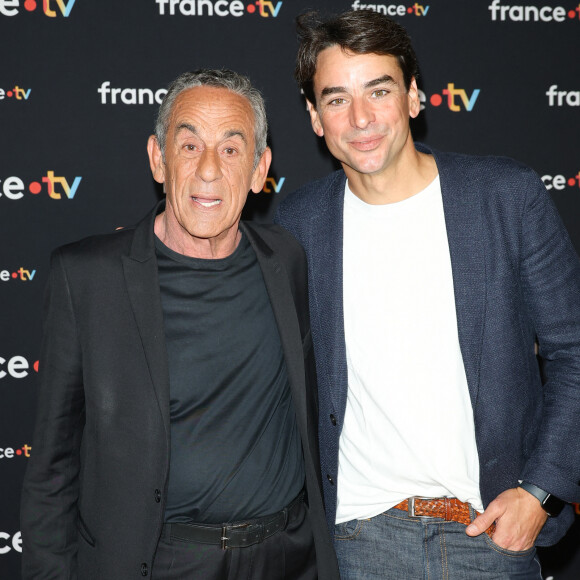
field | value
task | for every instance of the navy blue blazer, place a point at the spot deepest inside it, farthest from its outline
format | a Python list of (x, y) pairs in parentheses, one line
[(516, 281)]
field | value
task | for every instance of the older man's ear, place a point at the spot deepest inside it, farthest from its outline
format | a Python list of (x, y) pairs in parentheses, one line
[(261, 171), (156, 159)]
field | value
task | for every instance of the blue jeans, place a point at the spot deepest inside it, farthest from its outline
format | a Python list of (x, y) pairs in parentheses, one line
[(395, 546)]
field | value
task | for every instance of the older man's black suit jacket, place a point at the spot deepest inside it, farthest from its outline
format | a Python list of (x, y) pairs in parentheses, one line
[(94, 493)]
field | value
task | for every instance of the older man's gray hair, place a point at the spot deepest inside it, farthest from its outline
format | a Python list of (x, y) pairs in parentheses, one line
[(223, 78)]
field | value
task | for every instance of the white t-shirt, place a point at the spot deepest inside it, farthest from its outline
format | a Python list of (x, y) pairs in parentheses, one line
[(408, 428)]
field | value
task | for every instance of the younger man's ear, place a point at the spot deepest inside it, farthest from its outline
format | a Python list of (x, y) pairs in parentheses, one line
[(314, 119), (414, 102)]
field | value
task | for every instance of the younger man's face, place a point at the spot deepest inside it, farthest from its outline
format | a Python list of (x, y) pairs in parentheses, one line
[(362, 108)]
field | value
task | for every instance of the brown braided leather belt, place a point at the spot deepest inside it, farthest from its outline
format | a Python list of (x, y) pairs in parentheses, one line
[(449, 509)]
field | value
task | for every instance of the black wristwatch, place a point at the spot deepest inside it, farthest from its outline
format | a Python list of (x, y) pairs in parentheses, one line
[(551, 504)]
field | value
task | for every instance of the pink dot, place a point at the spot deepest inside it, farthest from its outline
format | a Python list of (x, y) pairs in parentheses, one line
[(436, 100), (572, 14), (571, 182), (9, 94), (410, 10), (19, 452), (34, 187), (251, 8), (15, 274), (30, 5)]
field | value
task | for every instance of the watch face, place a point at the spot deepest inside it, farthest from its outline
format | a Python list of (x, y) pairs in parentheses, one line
[(553, 505)]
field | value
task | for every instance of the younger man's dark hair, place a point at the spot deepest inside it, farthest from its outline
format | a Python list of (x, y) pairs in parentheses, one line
[(357, 31)]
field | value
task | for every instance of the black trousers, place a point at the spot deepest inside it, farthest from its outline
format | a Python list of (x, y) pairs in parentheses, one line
[(287, 555)]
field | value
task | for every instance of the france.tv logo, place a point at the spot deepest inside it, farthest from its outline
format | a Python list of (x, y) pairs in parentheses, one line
[(17, 93), (560, 181), (271, 185), (393, 9), (528, 13), (558, 98), (51, 8), (57, 187), (263, 8), (19, 274), (455, 98)]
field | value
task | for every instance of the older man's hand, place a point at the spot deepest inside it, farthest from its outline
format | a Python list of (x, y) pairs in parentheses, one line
[(519, 518)]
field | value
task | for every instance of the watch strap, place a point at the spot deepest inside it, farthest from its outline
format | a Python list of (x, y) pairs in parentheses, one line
[(550, 503)]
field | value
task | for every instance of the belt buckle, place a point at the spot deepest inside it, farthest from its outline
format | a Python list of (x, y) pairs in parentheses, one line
[(411, 506), (225, 527)]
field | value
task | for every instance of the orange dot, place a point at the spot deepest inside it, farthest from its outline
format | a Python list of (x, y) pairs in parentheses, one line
[(35, 366), (572, 14), (410, 10), (251, 8), (30, 5), (15, 274), (34, 187), (9, 94), (436, 100), (19, 452), (571, 182)]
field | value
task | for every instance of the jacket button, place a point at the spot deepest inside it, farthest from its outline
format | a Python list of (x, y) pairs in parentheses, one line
[(157, 496), (333, 419), (144, 569), (330, 479)]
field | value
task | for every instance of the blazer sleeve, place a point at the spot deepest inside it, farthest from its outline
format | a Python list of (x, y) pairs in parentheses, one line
[(51, 485), (550, 282)]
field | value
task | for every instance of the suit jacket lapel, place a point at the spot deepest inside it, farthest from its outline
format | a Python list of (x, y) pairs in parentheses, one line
[(141, 278), (326, 293), (463, 219), (278, 287)]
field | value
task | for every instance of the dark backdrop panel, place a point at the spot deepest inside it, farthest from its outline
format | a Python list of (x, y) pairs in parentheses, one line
[(78, 83)]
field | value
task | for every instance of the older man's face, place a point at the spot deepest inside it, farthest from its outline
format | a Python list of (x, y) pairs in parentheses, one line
[(208, 168)]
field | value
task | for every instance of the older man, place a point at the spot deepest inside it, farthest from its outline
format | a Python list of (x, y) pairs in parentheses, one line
[(431, 277), (176, 432)]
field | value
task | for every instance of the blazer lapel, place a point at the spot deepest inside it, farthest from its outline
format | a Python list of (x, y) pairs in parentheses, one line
[(463, 219), (278, 287), (141, 278), (326, 293)]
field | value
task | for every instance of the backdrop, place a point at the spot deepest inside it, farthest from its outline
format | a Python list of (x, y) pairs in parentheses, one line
[(80, 82)]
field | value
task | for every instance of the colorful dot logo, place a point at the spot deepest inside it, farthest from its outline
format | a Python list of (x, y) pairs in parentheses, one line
[(21, 274), (221, 8), (57, 187), (559, 182), (10, 452), (35, 188), (436, 100), (265, 8), (455, 98), (18, 93), (415, 9), (50, 8)]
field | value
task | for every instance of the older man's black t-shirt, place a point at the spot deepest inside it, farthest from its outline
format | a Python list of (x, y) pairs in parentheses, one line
[(235, 448)]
